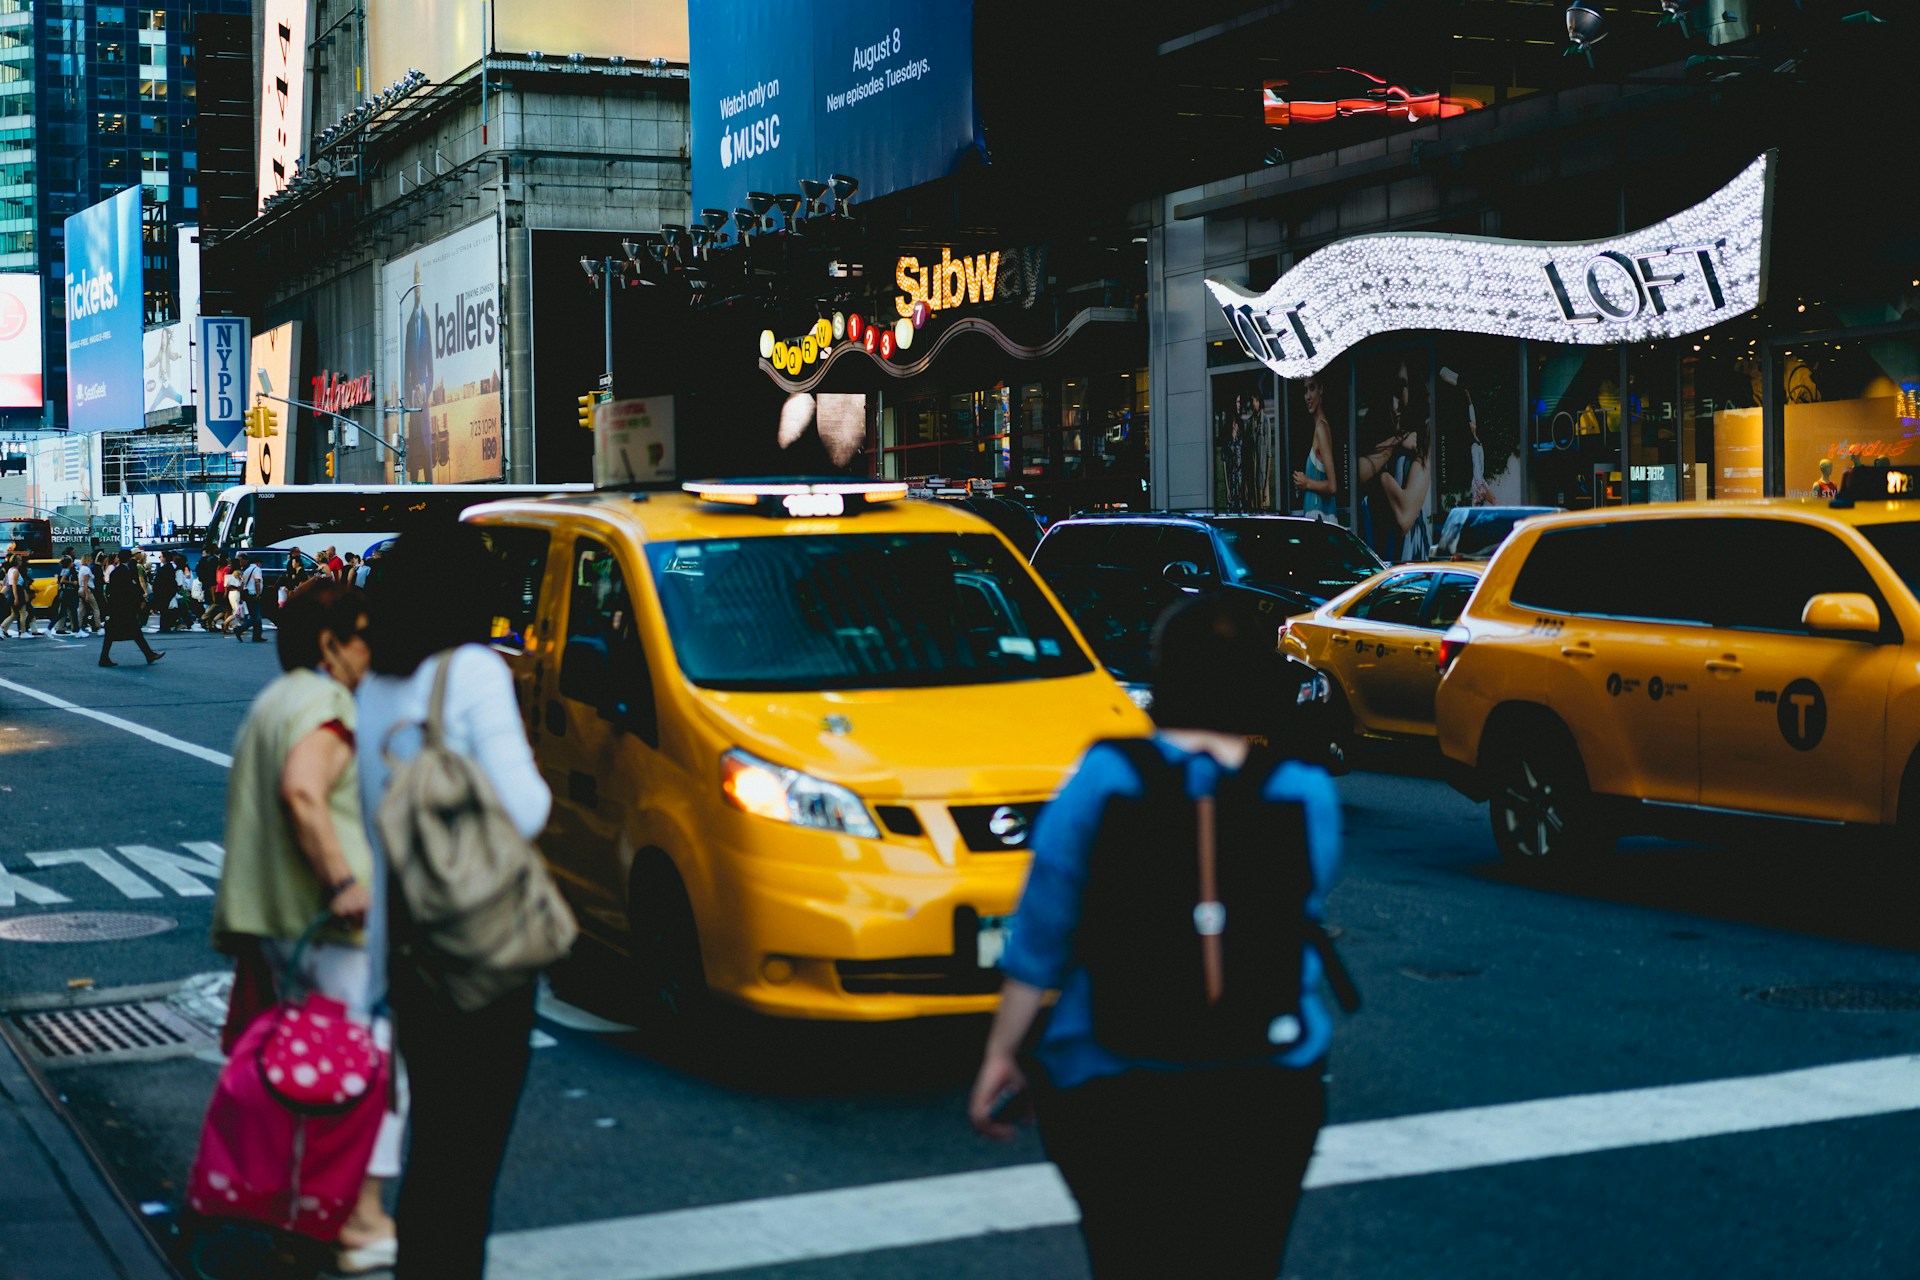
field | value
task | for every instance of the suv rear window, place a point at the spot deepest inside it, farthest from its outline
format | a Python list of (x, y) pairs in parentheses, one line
[(1633, 569)]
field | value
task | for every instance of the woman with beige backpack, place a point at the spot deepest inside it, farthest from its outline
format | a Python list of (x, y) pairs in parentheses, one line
[(465, 913)]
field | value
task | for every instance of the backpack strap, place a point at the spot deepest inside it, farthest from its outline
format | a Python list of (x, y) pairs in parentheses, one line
[(1338, 976), (1144, 758), (434, 731)]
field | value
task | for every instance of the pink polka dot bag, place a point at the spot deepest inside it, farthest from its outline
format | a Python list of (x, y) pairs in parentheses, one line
[(291, 1127)]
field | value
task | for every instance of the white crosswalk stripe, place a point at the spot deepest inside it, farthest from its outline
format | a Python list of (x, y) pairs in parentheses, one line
[(920, 1211)]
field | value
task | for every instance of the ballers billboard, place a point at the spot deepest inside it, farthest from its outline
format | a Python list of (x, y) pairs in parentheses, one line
[(20, 355), (105, 310), (440, 357), (792, 89)]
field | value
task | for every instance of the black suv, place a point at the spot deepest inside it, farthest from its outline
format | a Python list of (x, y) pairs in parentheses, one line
[(1117, 573)]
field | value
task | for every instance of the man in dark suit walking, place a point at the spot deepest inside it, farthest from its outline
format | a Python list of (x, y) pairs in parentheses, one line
[(123, 611)]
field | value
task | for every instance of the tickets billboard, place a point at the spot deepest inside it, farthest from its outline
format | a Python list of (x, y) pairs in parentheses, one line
[(105, 311), (21, 356), (440, 357)]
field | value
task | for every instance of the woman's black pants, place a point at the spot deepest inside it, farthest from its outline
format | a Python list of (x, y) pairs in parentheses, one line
[(464, 1072), (1188, 1173)]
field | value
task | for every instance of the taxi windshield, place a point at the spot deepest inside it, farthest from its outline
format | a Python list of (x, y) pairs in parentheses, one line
[(1900, 544), (858, 611)]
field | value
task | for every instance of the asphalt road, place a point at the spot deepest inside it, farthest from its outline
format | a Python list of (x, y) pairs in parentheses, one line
[(1596, 996)]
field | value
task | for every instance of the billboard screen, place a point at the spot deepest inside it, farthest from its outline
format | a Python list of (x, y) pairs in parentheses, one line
[(440, 357), (794, 89), (104, 315), (442, 37), (20, 352), (168, 367), (276, 354), (283, 95)]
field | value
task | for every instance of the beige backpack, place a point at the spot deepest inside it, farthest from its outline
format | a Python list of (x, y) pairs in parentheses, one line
[(475, 913)]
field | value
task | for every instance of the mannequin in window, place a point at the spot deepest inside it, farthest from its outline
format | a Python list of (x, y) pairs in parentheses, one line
[(1824, 487)]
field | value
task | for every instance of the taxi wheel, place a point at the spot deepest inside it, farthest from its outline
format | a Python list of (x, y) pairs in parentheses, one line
[(1341, 738), (1541, 810), (666, 946)]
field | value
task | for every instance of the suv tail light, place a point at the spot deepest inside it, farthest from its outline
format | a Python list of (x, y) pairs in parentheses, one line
[(1451, 646)]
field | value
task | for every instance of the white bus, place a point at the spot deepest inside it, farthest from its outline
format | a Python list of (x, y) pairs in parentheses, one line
[(310, 517)]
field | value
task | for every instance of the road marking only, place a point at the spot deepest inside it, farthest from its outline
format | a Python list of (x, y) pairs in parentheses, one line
[(920, 1211), (172, 743), (187, 877)]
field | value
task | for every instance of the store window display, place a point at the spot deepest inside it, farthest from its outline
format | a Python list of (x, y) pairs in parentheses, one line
[(1856, 400), (1574, 405)]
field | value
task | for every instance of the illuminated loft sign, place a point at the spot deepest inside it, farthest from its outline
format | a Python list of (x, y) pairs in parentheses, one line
[(1678, 276)]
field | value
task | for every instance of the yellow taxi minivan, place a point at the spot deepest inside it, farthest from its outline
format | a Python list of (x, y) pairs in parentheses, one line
[(797, 735), (1379, 645), (1619, 669)]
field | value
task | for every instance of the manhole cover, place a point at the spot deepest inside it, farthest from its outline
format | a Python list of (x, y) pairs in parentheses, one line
[(147, 1029), (83, 926), (1844, 997)]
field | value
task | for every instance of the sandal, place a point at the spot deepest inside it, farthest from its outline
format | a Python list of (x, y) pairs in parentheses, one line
[(381, 1255)]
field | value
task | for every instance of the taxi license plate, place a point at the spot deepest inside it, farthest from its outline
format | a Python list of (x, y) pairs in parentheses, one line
[(990, 941)]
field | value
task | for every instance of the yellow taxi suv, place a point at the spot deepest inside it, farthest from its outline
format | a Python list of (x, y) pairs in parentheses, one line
[(1379, 643), (1619, 670), (797, 735)]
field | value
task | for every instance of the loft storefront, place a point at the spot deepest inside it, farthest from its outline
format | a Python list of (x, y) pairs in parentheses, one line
[(1724, 350)]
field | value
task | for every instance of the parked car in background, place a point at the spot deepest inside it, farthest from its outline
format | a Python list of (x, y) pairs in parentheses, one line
[(1475, 533), (1379, 643), (1116, 574)]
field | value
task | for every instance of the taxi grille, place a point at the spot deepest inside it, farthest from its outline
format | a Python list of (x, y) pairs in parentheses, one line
[(977, 823)]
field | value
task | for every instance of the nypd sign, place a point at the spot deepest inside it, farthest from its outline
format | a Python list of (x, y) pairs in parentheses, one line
[(1678, 276), (224, 345)]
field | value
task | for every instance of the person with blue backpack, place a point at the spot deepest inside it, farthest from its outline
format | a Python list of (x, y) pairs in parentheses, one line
[(1175, 904)]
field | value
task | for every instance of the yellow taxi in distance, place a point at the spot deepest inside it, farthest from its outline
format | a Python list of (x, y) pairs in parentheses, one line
[(797, 734), (1619, 669), (1379, 644)]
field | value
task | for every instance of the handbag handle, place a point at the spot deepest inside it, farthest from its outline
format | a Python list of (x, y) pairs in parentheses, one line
[(290, 976)]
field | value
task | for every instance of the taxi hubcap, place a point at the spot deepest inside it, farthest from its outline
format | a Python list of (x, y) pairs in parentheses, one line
[(1532, 812)]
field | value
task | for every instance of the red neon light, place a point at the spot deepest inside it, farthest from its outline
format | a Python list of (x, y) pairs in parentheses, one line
[(1316, 97)]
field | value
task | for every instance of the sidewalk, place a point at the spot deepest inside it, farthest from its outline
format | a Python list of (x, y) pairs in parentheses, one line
[(59, 1218)]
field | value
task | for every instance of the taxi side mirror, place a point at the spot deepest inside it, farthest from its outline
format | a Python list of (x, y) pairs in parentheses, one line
[(1182, 573), (1841, 613)]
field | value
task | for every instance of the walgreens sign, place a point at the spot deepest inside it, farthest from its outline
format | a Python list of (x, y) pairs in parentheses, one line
[(333, 393)]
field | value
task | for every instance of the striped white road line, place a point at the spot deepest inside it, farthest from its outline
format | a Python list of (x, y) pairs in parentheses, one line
[(919, 1211), (172, 743)]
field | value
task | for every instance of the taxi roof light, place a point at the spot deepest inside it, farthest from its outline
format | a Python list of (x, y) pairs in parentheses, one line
[(1877, 484), (800, 497)]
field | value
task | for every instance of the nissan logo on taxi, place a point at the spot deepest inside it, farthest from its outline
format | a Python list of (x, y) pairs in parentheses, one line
[(1008, 825)]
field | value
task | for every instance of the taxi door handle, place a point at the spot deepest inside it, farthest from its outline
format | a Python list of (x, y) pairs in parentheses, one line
[(1341, 637), (1424, 650), (1581, 650), (1727, 665)]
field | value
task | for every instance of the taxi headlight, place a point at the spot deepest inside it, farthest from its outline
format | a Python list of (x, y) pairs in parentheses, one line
[(786, 795)]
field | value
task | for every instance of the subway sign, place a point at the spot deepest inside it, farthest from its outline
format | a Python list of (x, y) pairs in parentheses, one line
[(1680, 275)]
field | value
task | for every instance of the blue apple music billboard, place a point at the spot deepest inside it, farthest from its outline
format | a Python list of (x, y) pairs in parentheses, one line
[(790, 89), (105, 310)]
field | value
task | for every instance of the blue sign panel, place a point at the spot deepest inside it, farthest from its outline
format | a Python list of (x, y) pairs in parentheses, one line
[(790, 89), (224, 346), (105, 309)]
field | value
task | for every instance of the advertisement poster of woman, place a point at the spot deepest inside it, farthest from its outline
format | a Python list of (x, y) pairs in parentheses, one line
[(1316, 479), (1476, 431), (1393, 477)]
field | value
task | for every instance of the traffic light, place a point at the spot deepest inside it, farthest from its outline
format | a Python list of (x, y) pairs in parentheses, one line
[(252, 418), (261, 422), (329, 464), (586, 404), (270, 420)]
